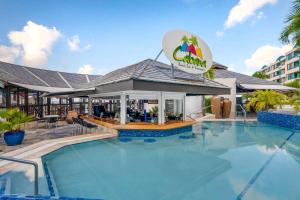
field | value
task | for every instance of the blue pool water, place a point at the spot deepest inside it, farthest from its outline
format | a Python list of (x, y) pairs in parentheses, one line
[(224, 160)]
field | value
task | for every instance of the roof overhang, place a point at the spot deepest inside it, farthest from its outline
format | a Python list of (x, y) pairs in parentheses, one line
[(145, 85), (55, 91), (266, 87), (41, 88), (72, 93)]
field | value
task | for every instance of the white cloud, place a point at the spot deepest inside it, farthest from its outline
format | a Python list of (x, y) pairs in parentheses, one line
[(36, 42), (244, 10), (8, 54), (231, 67), (86, 69), (220, 33), (74, 44), (265, 55)]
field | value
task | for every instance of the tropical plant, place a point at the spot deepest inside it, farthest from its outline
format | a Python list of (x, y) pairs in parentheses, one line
[(207, 103), (13, 119), (265, 100), (154, 110), (294, 84), (210, 74), (260, 75), (295, 102), (291, 32)]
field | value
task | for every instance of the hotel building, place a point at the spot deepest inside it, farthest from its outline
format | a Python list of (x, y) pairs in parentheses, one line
[(286, 67)]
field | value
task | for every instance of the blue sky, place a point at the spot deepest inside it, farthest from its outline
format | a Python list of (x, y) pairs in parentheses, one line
[(103, 35)]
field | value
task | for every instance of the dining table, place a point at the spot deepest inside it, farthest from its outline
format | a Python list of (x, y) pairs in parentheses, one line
[(50, 118)]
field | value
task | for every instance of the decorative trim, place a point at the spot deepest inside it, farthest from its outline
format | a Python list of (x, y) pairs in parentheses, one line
[(280, 119), (154, 133)]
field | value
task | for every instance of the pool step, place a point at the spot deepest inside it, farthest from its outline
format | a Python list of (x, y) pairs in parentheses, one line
[(5, 186), (38, 197)]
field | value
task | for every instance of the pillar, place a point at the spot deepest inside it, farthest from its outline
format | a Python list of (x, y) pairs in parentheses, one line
[(48, 105), (90, 105), (123, 109), (161, 108), (71, 103), (8, 97), (184, 109), (26, 101)]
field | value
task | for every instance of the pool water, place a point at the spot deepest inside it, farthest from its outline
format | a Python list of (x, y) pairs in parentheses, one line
[(218, 160)]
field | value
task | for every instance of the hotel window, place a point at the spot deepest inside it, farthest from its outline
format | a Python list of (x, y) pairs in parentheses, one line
[(290, 56), (293, 75), (290, 66)]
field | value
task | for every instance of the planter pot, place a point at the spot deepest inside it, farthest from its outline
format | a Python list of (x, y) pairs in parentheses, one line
[(14, 138)]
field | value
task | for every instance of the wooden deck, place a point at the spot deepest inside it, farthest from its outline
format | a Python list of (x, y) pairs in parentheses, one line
[(141, 126)]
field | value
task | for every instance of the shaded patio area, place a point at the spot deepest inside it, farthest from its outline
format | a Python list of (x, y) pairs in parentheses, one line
[(34, 135)]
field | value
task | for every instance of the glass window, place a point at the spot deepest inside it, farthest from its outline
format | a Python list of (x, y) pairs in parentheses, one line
[(106, 108), (142, 110), (290, 56), (2, 97), (173, 109)]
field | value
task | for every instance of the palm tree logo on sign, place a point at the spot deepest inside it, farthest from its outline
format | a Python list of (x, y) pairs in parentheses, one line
[(187, 51)]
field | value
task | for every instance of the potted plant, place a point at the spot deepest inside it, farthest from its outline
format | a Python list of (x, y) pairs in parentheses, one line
[(153, 114), (12, 120)]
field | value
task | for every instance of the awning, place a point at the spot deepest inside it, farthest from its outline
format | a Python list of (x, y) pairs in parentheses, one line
[(73, 92), (42, 88), (52, 90), (267, 87)]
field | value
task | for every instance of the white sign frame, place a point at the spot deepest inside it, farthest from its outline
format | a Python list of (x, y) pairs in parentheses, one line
[(187, 51)]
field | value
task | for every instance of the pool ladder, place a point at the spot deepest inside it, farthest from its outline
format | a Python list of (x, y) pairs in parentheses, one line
[(28, 162), (243, 111)]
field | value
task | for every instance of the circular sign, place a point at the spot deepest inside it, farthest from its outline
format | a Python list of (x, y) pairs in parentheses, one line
[(187, 51)]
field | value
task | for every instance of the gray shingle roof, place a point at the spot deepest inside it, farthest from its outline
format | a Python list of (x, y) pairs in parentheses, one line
[(41, 77), (241, 78), (152, 70)]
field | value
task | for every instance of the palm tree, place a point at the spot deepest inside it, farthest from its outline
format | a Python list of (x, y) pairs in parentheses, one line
[(260, 75), (291, 32), (295, 102), (265, 99)]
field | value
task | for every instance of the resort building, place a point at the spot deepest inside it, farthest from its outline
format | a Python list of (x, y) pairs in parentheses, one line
[(286, 68), (148, 91)]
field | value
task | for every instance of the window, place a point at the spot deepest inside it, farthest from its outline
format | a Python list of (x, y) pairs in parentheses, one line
[(290, 66), (2, 97), (290, 56), (293, 75), (173, 109)]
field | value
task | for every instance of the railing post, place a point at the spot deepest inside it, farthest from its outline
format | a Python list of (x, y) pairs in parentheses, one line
[(28, 162)]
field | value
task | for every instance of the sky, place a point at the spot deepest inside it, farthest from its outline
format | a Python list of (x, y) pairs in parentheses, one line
[(98, 36)]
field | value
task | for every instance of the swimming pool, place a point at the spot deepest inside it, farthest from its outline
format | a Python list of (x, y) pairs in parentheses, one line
[(220, 160)]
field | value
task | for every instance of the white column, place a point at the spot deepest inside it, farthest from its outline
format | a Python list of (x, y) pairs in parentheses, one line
[(90, 99), (161, 108), (123, 108), (184, 110)]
